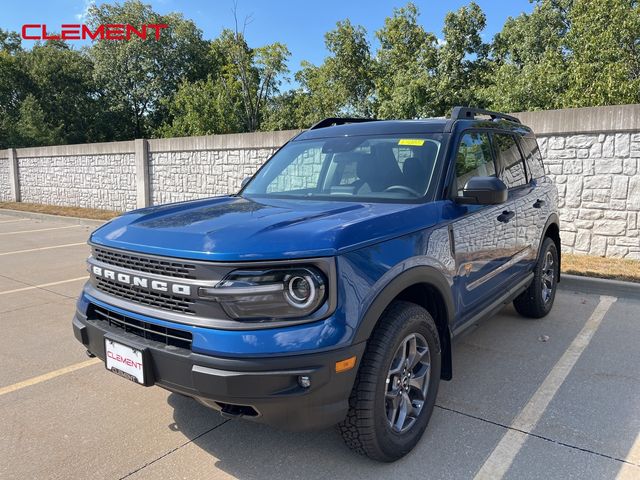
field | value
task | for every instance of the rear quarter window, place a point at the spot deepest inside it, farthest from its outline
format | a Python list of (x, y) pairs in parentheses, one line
[(509, 159), (532, 157)]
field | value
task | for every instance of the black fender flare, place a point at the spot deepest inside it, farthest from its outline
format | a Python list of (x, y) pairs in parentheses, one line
[(552, 220), (422, 274)]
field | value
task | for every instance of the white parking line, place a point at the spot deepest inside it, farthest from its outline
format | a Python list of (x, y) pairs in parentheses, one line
[(43, 285), (42, 248), (16, 220), (505, 452), (48, 376), (40, 230), (627, 471)]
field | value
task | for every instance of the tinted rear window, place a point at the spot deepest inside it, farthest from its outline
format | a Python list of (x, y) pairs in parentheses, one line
[(509, 159), (532, 156)]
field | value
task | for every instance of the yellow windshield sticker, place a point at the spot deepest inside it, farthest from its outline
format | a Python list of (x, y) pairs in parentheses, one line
[(411, 142)]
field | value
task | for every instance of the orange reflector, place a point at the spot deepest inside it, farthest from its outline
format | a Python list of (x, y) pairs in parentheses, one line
[(344, 365)]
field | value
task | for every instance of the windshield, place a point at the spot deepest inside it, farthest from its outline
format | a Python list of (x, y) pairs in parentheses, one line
[(375, 168)]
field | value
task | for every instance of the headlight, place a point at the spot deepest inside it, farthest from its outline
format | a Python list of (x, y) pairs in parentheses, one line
[(269, 293)]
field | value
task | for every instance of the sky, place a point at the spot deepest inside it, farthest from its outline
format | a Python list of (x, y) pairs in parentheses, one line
[(298, 24)]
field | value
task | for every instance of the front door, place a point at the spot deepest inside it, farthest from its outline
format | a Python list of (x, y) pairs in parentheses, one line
[(484, 236)]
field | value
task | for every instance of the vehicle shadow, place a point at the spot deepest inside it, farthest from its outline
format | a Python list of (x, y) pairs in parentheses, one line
[(499, 366)]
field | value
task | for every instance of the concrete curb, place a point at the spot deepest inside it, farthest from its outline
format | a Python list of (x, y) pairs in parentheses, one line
[(601, 286), (55, 218)]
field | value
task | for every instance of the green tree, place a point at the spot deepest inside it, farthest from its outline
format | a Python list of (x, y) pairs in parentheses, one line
[(33, 127), (203, 108), (10, 42), (253, 75), (462, 60), (530, 65), (343, 84), (62, 82), (406, 63), (604, 44), (137, 76)]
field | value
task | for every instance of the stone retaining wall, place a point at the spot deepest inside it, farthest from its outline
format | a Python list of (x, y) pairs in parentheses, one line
[(593, 154), (5, 185), (599, 187)]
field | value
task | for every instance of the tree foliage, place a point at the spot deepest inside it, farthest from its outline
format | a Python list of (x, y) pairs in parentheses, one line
[(565, 53)]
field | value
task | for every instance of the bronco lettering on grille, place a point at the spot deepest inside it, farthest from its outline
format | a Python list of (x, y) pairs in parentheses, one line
[(141, 282)]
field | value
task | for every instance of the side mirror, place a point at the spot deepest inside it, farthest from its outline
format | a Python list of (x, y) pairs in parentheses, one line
[(483, 191), (245, 180)]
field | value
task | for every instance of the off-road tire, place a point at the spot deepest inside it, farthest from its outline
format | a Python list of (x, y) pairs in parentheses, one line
[(530, 303), (366, 429)]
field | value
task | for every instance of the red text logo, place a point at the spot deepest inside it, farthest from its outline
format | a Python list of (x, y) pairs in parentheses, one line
[(127, 361), (76, 31)]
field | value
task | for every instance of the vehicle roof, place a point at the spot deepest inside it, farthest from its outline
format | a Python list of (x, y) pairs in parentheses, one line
[(399, 127)]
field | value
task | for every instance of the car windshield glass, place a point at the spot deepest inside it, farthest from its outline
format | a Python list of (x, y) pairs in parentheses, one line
[(375, 168)]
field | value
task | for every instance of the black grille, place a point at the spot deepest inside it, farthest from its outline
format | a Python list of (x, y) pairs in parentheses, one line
[(151, 298), (149, 331), (158, 266)]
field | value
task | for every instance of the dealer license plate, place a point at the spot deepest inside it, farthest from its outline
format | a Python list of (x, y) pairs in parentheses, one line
[(124, 361)]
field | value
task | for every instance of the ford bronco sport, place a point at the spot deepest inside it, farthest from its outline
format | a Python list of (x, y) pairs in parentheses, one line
[(328, 290)]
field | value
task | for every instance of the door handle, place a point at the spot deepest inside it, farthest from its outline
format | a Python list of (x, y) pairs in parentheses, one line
[(506, 216), (539, 203)]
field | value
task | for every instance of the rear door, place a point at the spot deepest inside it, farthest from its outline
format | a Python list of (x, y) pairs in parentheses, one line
[(513, 172), (534, 206), (484, 235)]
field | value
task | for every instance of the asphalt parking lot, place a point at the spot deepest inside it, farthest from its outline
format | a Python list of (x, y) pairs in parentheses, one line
[(554, 398)]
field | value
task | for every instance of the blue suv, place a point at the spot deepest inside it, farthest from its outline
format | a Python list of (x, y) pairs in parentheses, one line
[(328, 290)]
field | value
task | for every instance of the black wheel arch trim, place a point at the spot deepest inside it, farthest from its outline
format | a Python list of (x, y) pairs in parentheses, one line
[(552, 220), (417, 275)]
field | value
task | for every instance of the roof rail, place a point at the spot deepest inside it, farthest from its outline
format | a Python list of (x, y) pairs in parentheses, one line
[(331, 121), (469, 113)]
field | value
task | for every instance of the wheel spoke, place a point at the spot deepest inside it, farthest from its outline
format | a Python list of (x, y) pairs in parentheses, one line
[(403, 410), (412, 353), (399, 360), (420, 380)]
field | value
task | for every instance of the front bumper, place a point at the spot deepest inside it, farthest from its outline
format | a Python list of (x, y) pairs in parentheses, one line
[(262, 389)]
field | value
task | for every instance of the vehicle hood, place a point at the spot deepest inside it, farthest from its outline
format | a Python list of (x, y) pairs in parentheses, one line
[(240, 229)]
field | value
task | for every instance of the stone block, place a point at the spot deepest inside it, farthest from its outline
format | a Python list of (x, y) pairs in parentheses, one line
[(629, 166), (598, 245), (608, 146), (610, 227), (608, 165), (583, 240), (616, 251), (568, 239), (581, 141), (627, 241), (590, 214), (599, 181), (565, 153), (596, 150), (556, 143), (622, 145), (619, 187), (574, 190)]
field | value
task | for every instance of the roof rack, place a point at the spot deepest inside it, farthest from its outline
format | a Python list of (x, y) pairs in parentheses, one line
[(469, 113), (331, 121)]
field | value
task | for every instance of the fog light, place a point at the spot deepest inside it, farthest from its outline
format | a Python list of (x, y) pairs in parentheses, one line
[(304, 381)]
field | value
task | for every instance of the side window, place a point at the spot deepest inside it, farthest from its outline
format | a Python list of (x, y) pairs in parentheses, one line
[(532, 156), (509, 159), (473, 158)]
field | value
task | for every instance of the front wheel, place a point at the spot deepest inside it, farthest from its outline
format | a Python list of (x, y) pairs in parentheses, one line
[(397, 384), (537, 300)]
